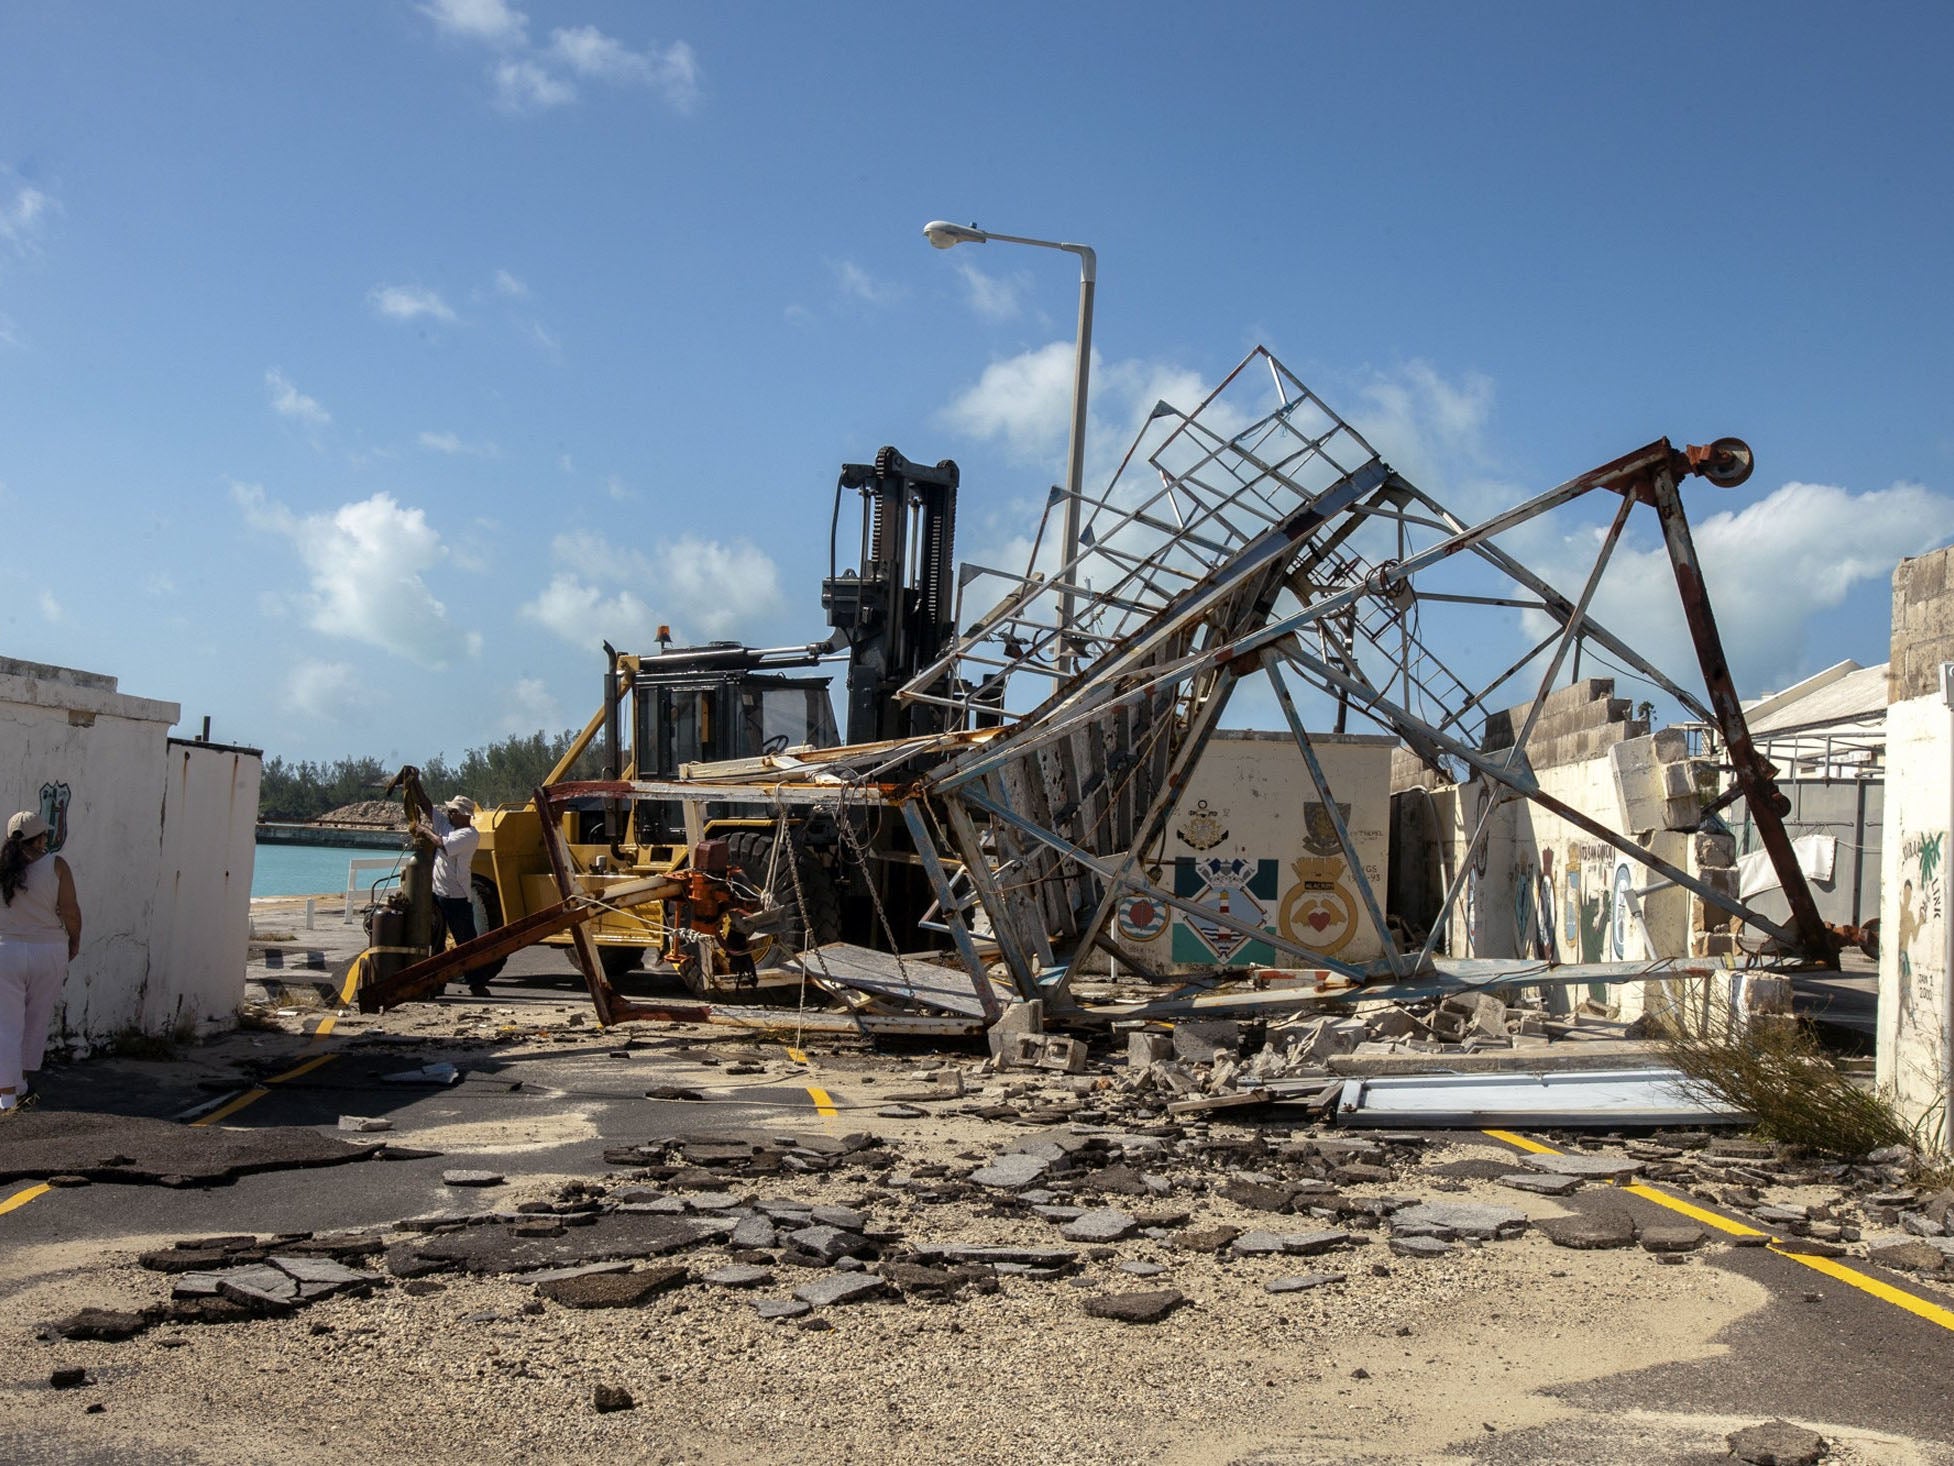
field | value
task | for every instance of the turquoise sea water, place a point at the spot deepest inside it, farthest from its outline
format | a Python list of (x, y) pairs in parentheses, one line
[(308, 870)]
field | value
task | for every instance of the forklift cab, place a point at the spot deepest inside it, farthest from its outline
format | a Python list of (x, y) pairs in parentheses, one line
[(710, 716)]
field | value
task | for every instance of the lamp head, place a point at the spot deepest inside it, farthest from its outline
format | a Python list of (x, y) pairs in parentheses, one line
[(943, 234)]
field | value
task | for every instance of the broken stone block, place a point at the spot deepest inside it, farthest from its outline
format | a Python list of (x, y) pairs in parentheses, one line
[(1015, 1021), (364, 1124), (72, 1378), (613, 1290), (1105, 1225), (1206, 1239), (828, 1243), (1421, 1248), (1143, 1049), (1591, 1233), (1911, 1254), (100, 1324), (471, 1178), (779, 1308), (1012, 1171), (1142, 1269), (607, 1398), (1541, 1185), (1061, 1054), (1196, 1040), (753, 1232), (1478, 1014), (1613, 1168), (1134, 1307), (1777, 1443), (1679, 1237), (1258, 1197), (740, 1275), (1301, 1283), (1447, 1220), (838, 1288)]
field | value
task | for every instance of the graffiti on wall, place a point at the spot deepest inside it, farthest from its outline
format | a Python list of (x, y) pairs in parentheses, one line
[(55, 798), (1918, 936)]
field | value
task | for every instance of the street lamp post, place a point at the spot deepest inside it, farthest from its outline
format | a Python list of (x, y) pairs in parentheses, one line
[(945, 235)]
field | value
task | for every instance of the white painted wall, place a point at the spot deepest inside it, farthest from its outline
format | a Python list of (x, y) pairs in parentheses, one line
[(1244, 832), (1916, 949), (203, 895), (154, 947)]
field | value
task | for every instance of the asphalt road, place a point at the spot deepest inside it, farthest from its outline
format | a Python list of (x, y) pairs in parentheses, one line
[(1822, 1348)]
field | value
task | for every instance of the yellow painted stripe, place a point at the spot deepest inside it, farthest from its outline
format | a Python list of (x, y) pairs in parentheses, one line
[(1853, 1278), (325, 1026), (249, 1097), (1695, 1213), (1522, 1142), (21, 1198), (252, 1096), (353, 974), (796, 1055), (306, 1068), (1830, 1266), (823, 1103)]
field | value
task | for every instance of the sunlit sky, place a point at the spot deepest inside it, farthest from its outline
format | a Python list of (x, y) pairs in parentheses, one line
[(364, 367)]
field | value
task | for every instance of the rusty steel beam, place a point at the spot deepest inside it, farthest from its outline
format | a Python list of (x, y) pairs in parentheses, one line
[(1728, 463)]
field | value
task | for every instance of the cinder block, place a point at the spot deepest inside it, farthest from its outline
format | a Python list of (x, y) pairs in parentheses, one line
[(1143, 1048), (1065, 1055), (1022, 1051), (1710, 850)]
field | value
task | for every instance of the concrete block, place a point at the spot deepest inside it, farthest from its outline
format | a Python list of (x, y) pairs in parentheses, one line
[(1670, 744), (1196, 1041), (1143, 1048), (1712, 851), (1065, 1055), (1019, 1018), (1019, 1050)]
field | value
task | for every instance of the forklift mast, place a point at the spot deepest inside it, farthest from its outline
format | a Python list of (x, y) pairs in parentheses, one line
[(895, 612)]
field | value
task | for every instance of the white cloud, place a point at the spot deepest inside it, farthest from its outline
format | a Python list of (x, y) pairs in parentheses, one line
[(531, 706), (619, 490), (544, 341), (288, 401), (1433, 430), (991, 296), (407, 302), (365, 561), (706, 591), (509, 285), (523, 86), (454, 445), (9, 332), (1025, 400), (672, 72), (860, 285), (1770, 568), (22, 217), (158, 583), (51, 609), (324, 691), (492, 21)]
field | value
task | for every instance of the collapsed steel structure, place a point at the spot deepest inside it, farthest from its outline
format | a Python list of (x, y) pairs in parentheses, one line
[(1256, 536)]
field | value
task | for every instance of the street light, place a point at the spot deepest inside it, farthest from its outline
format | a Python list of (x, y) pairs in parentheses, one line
[(945, 235)]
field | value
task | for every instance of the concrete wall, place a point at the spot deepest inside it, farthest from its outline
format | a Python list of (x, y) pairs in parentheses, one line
[(1250, 835), (1916, 950), (203, 894), (156, 945), (1544, 888), (1923, 625)]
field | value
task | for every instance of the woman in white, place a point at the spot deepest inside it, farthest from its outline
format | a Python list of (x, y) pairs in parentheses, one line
[(40, 932)]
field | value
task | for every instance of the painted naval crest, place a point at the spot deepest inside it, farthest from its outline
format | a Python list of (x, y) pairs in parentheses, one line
[(1204, 828), (1320, 911)]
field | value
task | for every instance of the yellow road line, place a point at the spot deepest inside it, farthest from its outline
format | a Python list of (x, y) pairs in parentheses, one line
[(325, 1026), (253, 1095), (21, 1198), (823, 1103), (1830, 1266), (352, 980), (795, 1054), (1696, 1213), (1522, 1142)]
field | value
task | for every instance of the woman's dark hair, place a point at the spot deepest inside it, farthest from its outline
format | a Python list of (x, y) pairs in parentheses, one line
[(13, 867)]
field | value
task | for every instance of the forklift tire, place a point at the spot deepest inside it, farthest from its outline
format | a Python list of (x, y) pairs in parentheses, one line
[(488, 916), (752, 851)]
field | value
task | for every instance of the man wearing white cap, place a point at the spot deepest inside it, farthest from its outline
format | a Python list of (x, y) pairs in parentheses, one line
[(452, 830), (40, 933)]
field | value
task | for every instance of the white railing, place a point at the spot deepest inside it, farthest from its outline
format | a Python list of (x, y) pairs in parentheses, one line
[(356, 888)]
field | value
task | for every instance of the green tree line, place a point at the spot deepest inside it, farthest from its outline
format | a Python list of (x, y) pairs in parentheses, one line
[(505, 772)]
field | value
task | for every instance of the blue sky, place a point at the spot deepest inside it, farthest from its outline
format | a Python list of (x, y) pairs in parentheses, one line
[(363, 366)]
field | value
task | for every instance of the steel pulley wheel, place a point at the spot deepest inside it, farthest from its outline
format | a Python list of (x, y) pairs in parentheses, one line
[(1730, 464)]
